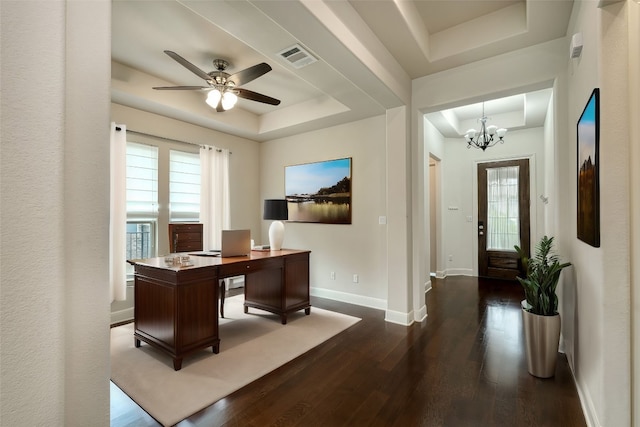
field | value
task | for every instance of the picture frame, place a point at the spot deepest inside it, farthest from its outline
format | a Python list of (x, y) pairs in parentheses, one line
[(319, 192), (588, 171)]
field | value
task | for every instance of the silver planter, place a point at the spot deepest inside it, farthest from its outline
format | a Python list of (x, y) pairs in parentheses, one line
[(542, 337)]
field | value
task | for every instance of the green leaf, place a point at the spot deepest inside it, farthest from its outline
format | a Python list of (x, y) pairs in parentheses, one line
[(542, 277)]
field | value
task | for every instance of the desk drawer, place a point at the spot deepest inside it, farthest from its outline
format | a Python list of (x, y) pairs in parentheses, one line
[(241, 268)]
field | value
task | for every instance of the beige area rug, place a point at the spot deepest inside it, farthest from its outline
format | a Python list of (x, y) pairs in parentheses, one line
[(251, 345)]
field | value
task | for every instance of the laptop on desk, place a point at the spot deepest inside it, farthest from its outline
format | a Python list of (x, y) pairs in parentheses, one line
[(234, 243)]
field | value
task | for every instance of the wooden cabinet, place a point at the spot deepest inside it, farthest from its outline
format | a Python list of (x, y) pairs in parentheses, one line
[(185, 237), (175, 310), (280, 288), (296, 282)]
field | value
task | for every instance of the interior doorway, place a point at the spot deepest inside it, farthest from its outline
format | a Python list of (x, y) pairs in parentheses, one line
[(434, 217), (503, 217)]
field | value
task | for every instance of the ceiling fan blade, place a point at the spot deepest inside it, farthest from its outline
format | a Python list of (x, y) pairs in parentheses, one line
[(188, 65), (180, 88), (245, 76), (254, 96)]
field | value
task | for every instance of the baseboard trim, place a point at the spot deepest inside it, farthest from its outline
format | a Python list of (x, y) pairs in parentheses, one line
[(421, 314), (370, 302), (399, 318), (427, 286), (459, 272), (588, 409), (390, 316), (122, 316)]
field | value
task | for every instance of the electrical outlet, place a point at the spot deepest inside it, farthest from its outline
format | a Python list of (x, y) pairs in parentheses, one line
[(355, 278), (333, 275), (450, 257)]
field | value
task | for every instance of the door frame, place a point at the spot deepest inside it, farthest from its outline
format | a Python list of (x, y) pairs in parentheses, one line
[(533, 206)]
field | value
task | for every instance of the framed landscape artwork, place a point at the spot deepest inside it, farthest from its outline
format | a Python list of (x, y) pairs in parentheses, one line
[(589, 171), (319, 192)]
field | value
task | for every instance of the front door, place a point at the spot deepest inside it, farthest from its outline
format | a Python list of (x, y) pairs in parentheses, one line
[(503, 217)]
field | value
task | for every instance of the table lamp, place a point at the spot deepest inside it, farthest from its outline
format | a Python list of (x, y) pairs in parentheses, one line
[(277, 210)]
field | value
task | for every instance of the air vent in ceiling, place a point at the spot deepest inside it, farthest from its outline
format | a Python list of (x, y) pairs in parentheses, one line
[(297, 56)]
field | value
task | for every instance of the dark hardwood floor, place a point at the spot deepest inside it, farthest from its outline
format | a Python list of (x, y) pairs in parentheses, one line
[(463, 366)]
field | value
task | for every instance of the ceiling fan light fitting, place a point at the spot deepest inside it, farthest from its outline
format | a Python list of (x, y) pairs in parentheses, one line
[(213, 98), (223, 94), (229, 99), (220, 64)]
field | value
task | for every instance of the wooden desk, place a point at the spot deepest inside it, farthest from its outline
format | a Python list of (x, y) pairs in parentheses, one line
[(176, 307)]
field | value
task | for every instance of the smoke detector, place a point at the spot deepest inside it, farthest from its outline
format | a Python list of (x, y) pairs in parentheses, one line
[(297, 56)]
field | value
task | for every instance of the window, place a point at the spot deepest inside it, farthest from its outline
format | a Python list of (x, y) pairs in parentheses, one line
[(503, 216), (142, 201), (163, 185), (184, 186), (140, 238)]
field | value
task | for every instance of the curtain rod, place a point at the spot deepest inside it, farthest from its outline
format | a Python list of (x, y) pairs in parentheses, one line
[(118, 128)]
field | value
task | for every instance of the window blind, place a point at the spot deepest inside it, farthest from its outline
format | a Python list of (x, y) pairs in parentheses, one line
[(142, 181), (184, 186)]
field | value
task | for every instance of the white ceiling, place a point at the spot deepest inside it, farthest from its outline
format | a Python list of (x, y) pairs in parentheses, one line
[(368, 52)]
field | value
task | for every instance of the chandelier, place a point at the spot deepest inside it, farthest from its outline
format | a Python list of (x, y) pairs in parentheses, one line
[(485, 137)]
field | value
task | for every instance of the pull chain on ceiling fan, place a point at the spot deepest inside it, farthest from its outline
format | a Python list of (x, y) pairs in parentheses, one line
[(223, 87)]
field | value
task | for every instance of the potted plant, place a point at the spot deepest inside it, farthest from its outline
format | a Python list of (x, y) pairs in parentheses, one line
[(540, 317)]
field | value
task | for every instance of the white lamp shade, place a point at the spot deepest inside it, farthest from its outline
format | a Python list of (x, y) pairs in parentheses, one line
[(276, 235), (501, 132), (471, 133), (229, 99), (491, 130), (213, 98)]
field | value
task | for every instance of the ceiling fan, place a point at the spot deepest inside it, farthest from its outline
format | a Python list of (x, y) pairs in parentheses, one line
[(223, 87)]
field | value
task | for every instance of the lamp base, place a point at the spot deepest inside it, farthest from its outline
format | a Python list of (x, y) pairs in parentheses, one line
[(276, 235)]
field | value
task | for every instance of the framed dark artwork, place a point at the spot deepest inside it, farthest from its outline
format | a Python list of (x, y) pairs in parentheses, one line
[(319, 192), (589, 171)]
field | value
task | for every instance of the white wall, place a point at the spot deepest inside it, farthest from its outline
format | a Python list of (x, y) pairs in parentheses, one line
[(54, 305), (548, 190), (634, 112), (460, 193), (600, 283), (405, 296), (359, 248)]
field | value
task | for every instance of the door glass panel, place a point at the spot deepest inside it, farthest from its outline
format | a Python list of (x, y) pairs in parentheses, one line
[(503, 217)]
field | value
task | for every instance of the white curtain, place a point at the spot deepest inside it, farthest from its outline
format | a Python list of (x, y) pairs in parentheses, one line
[(118, 214), (214, 194)]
